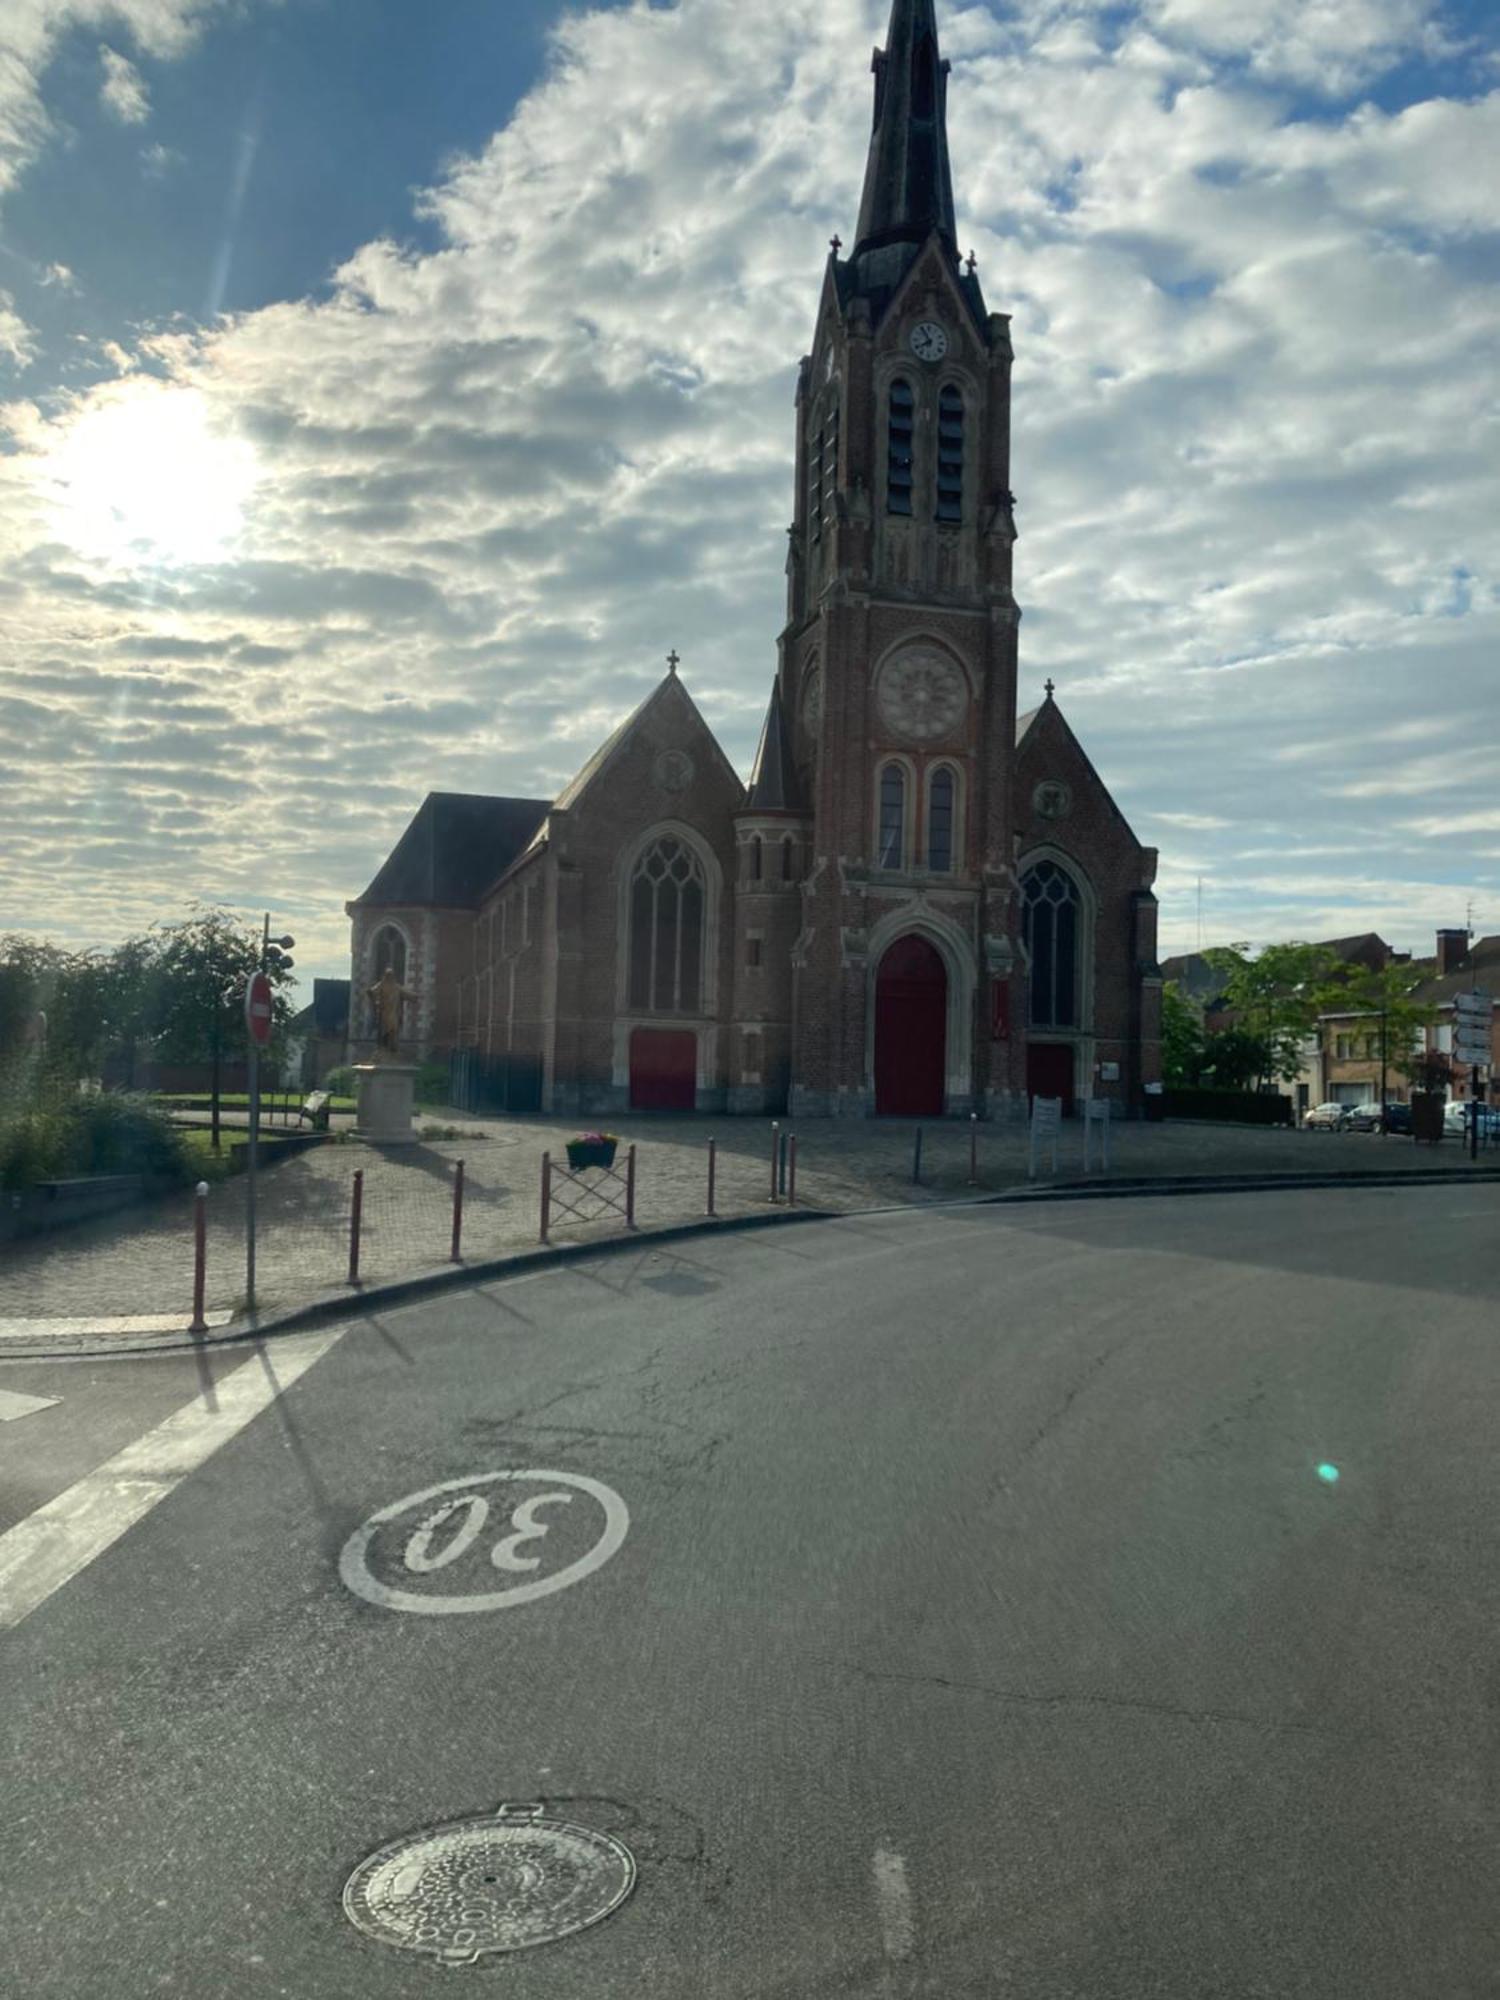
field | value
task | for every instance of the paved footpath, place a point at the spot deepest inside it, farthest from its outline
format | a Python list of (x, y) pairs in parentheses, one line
[(136, 1269)]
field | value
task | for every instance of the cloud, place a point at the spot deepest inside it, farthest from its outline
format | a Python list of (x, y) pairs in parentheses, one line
[(495, 481), (17, 339), (122, 93)]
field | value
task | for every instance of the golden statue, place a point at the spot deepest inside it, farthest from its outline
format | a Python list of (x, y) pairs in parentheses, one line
[(387, 996)]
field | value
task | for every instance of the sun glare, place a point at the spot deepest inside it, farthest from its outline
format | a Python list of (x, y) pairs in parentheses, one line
[(142, 478)]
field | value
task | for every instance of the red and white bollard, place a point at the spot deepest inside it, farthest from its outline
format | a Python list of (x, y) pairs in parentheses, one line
[(200, 1257), (455, 1255), (356, 1211)]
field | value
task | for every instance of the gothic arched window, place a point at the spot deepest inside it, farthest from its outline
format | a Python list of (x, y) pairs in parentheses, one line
[(891, 848), (899, 449), (950, 464), (667, 902), (390, 952), (942, 796), (1050, 905)]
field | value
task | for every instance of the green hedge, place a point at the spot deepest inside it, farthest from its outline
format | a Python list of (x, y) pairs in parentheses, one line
[(62, 1136), (1239, 1107)]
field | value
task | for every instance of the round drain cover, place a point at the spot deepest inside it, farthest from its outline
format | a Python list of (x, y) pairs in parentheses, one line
[(500, 1883)]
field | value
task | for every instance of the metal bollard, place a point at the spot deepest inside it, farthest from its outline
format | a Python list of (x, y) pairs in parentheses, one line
[(973, 1149), (775, 1154), (355, 1212), (916, 1159), (630, 1189), (454, 1255), (713, 1148), (200, 1257), (546, 1193), (791, 1185)]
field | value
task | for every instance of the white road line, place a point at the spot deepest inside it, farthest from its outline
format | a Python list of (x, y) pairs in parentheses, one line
[(893, 1900), (41, 1553), (13, 1405), (101, 1323)]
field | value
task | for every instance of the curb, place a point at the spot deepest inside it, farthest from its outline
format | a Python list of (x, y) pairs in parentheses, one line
[(347, 1304), (343, 1304)]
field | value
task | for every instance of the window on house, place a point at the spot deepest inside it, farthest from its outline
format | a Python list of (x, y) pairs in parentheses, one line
[(1050, 900), (667, 921), (755, 859), (940, 802), (892, 843), (1343, 1047), (950, 464), (899, 449), (752, 951)]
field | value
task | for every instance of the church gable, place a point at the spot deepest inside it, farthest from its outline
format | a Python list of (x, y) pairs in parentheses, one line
[(1061, 801)]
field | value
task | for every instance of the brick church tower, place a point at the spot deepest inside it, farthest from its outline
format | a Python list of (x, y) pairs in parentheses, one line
[(889, 749)]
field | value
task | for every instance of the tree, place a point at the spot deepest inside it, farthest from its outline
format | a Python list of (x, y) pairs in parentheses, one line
[(195, 991), (1181, 1037), (1275, 998), (1234, 1059), (1396, 1022)]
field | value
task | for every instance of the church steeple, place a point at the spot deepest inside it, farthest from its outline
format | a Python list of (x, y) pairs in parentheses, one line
[(908, 180)]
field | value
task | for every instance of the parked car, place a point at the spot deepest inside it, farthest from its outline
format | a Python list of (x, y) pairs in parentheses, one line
[(1456, 1114), (1327, 1118), (1364, 1118), (1398, 1118)]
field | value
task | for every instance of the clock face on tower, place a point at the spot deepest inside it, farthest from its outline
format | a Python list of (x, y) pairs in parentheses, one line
[(921, 696), (928, 341)]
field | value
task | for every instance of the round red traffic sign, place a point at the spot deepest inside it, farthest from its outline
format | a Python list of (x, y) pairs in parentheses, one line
[(258, 1012)]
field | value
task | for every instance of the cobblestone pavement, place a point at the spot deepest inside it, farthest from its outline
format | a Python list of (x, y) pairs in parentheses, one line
[(141, 1262)]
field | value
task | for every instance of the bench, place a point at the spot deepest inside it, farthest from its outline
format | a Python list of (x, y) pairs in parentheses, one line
[(315, 1110)]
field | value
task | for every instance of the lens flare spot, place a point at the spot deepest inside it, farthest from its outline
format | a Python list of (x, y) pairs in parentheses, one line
[(1329, 1474)]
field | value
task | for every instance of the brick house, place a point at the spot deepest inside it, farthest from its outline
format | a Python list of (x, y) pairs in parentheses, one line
[(919, 904)]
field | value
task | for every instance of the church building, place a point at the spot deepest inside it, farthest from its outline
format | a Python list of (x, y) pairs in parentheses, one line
[(921, 903)]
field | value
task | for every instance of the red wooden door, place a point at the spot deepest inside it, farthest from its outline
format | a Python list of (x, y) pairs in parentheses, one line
[(663, 1069), (911, 1030), (1049, 1072)]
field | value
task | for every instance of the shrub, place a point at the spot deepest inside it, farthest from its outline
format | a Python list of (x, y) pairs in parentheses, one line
[(339, 1082), (432, 1085), (59, 1135), (1241, 1107)]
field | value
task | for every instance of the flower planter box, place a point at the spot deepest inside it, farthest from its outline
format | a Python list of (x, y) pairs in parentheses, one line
[(591, 1153)]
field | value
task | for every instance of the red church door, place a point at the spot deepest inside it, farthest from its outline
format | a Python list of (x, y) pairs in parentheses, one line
[(911, 1030), (663, 1069), (1049, 1072)]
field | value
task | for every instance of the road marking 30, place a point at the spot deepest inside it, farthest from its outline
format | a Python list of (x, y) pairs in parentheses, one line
[(40, 1554), (440, 1539)]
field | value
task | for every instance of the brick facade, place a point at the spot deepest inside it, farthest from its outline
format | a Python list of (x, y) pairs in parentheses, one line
[(847, 934)]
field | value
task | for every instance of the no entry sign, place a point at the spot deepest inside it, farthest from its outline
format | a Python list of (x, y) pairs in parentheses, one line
[(258, 1014)]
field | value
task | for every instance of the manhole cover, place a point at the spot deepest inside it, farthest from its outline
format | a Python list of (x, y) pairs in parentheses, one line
[(500, 1883)]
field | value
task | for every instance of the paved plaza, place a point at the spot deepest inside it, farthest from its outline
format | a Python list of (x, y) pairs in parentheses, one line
[(141, 1263)]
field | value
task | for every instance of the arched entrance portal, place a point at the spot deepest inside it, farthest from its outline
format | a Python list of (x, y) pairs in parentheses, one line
[(663, 1069), (911, 1030)]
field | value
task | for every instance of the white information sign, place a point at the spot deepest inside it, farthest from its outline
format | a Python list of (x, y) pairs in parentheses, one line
[(441, 1532), (1046, 1122)]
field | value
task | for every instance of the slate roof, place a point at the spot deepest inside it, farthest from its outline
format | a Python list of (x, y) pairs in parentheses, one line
[(456, 846), (1482, 970), (774, 783), (908, 190)]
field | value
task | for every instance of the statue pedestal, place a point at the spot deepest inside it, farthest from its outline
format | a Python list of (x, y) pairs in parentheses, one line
[(385, 1092)]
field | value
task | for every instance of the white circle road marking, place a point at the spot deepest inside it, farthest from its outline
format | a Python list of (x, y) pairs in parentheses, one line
[(354, 1567)]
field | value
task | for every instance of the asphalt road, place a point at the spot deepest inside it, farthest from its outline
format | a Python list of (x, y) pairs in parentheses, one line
[(990, 1619)]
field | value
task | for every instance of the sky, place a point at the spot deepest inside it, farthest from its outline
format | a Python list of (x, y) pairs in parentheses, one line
[(386, 389)]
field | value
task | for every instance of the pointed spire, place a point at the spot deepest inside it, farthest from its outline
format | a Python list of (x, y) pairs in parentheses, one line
[(774, 786), (908, 180)]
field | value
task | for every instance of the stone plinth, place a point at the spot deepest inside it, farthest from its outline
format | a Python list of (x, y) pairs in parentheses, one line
[(385, 1094)]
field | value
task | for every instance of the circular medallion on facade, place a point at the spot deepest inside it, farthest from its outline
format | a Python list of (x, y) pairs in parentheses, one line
[(922, 696), (474, 1886), (812, 700), (673, 770), (1052, 799)]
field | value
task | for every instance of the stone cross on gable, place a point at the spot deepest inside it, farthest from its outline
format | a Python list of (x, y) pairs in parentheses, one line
[(674, 661), (1051, 687)]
